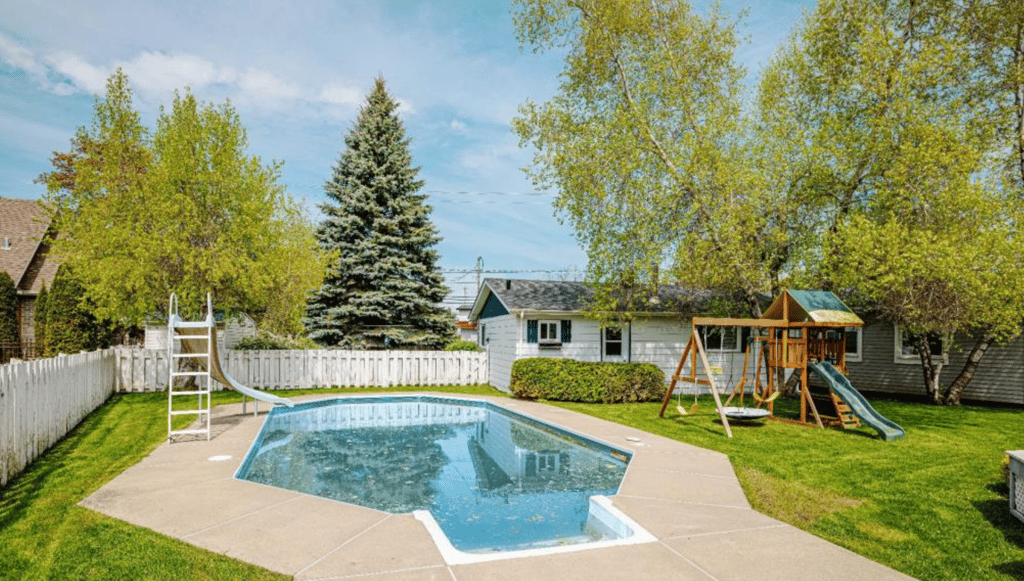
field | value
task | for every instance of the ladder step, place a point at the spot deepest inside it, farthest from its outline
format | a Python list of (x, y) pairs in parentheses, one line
[(181, 432), (186, 412), (187, 355), (191, 325), (199, 392), (188, 373)]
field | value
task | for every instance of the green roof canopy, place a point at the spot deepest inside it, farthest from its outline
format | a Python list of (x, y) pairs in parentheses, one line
[(813, 306)]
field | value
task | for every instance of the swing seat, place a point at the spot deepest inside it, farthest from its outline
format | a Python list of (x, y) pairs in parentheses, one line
[(738, 413), (769, 399)]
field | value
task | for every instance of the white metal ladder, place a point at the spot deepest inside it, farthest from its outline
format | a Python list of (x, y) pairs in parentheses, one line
[(177, 354)]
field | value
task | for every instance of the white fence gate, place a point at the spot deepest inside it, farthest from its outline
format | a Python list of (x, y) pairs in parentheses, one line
[(41, 401), (146, 370)]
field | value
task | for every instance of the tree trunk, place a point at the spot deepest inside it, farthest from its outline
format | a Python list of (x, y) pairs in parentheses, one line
[(931, 376), (956, 389)]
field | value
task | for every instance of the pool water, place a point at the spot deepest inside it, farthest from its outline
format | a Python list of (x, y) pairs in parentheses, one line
[(493, 480)]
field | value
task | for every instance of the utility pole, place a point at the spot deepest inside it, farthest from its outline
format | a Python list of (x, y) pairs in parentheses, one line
[(479, 270)]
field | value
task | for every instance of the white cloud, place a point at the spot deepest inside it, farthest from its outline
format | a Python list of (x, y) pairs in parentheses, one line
[(83, 75), (19, 57), (259, 85), (342, 95), (458, 126), (159, 73)]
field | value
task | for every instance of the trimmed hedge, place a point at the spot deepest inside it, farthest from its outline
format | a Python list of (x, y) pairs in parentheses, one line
[(463, 345), (586, 381)]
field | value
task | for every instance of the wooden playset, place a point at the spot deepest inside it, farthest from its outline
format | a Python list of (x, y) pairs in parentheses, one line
[(799, 327)]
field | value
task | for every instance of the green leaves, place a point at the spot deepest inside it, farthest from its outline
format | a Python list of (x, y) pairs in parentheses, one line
[(185, 210)]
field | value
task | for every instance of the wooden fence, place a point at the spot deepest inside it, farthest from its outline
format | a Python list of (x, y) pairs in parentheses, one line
[(41, 401), (146, 370)]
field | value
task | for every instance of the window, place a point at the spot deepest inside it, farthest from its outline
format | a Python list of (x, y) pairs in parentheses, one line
[(613, 341), (549, 333), (720, 338), (853, 344), (905, 352)]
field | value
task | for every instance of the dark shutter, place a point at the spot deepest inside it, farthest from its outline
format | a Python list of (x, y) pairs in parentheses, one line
[(566, 331), (531, 330)]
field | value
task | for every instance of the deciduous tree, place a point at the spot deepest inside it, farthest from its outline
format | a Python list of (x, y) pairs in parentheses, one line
[(185, 210)]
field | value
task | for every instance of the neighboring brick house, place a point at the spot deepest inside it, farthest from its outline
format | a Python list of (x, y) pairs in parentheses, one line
[(24, 255)]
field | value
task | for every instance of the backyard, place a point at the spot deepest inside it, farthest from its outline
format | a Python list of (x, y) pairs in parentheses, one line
[(932, 505)]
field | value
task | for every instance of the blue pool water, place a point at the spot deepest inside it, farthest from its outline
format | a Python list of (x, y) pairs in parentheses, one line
[(493, 480)]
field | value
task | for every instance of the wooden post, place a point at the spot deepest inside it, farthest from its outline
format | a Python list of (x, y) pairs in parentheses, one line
[(676, 377), (711, 382)]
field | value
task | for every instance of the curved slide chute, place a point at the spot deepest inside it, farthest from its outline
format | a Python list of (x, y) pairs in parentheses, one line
[(842, 387), (198, 345)]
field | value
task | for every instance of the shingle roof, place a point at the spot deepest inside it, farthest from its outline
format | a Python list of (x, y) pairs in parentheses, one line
[(569, 296), (22, 224)]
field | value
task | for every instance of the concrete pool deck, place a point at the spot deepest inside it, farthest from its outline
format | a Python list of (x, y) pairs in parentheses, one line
[(687, 497)]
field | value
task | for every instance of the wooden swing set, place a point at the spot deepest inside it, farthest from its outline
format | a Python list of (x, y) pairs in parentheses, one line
[(791, 332)]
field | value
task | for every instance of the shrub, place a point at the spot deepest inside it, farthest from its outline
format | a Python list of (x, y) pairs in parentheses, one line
[(587, 382), (269, 342), (70, 327), (8, 309), (463, 345)]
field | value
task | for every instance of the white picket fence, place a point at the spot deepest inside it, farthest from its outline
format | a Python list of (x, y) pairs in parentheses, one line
[(41, 401), (146, 370)]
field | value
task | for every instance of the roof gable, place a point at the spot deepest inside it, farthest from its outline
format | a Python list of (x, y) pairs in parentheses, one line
[(812, 306), (23, 223)]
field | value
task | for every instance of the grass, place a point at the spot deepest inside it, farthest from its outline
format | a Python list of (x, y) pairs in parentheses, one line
[(44, 535), (932, 505)]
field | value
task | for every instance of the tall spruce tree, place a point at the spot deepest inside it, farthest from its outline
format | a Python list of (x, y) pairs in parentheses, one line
[(383, 291)]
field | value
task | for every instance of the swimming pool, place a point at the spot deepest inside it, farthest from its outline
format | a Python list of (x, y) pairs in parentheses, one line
[(491, 480)]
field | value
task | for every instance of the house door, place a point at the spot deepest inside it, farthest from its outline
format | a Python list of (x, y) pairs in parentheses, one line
[(614, 344)]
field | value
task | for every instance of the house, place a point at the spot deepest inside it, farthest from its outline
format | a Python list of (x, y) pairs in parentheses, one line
[(24, 255), (466, 328), (534, 318), (880, 359)]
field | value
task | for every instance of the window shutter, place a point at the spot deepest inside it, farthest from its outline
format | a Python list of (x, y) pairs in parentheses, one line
[(531, 330), (566, 331)]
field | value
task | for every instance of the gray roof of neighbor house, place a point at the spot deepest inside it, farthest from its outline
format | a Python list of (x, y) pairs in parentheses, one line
[(23, 224), (569, 296)]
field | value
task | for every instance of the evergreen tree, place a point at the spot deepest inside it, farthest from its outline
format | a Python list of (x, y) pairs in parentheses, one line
[(384, 288), (40, 322), (70, 327), (8, 317)]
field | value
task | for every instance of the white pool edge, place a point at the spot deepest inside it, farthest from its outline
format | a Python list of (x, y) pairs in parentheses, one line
[(453, 556)]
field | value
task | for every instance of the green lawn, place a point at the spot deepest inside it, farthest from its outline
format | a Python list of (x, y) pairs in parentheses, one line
[(933, 505)]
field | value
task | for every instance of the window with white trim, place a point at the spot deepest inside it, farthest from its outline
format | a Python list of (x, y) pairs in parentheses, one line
[(549, 333), (613, 341), (854, 346), (905, 352), (720, 338)]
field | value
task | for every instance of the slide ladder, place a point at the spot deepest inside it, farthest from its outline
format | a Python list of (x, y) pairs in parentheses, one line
[(197, 341), (858, 404), (200, 387)]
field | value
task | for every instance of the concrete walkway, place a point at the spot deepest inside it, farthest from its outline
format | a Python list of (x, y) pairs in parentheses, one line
[(685, 496)]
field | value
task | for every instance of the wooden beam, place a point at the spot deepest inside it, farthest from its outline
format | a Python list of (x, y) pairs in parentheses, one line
[(727, 322)]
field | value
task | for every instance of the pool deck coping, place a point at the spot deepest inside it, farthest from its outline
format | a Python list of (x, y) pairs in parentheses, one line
[(687, 497)]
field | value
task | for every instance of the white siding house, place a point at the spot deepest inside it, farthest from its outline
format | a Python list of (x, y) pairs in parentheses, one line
[(531, 318)]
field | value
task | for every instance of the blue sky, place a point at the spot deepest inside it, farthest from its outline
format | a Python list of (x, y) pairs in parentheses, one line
[(298, 72)]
